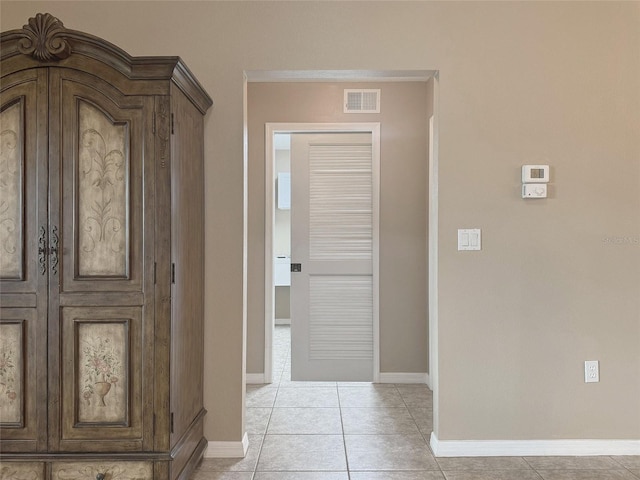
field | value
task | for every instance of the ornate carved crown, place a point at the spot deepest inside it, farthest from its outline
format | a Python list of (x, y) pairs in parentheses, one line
[(44, 38)]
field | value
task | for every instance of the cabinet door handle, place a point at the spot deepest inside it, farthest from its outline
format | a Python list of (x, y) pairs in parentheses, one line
[(54, 250), (101, 476), (42, 250)]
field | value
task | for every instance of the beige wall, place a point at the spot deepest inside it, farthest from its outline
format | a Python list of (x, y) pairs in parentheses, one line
[(520, 82), (282, 307), (403, 206)]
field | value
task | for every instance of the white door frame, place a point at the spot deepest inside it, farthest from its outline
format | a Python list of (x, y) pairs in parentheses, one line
[(269, 212)]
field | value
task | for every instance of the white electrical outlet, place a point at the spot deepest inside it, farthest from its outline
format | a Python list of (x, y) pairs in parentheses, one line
[(591, 371)]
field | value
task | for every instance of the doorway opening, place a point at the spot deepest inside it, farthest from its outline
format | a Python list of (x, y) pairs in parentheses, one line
[(289, 101), (345, 348)]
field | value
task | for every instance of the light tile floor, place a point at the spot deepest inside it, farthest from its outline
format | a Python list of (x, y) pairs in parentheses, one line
[(363, 431)]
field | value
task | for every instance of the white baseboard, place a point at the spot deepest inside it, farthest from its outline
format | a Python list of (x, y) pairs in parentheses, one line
[(422, 378), (521, 448), (399, 377), (254, 378), (227, 449), (283, 321)]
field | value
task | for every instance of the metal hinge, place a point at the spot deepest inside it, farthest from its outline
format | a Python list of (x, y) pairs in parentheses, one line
[(172, 124), (171, 422), (173, 273)]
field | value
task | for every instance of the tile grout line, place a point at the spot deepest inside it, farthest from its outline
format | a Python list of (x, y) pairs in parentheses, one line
[(623, 466), (344, 440), (395, 385), (532, 468), (264, 438), (426, 441)]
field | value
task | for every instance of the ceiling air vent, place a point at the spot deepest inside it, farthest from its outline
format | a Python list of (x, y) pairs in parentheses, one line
[(362, 101)]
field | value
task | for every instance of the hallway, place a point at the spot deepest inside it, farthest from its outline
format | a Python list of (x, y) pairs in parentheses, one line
[(363, 431)]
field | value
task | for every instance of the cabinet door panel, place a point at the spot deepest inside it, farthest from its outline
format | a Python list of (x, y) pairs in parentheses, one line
[(101, 293), (12, 251), (102, 194), (23, 262), (19, 379), (23, 181), (103, 175), (101, 377), (13, 366)]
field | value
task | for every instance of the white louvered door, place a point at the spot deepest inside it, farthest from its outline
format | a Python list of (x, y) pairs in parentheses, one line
[(332, 239)]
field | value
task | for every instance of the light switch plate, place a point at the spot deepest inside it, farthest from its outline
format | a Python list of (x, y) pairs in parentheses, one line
[(469, 239)]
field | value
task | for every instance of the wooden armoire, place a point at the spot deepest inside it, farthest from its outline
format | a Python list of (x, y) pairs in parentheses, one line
[(101, 260)]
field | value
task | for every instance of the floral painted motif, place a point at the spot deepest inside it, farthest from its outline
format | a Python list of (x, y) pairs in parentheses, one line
[(11, 188), (8, 372), (102, 193), (102, 369), (11, 365), (105, 170)]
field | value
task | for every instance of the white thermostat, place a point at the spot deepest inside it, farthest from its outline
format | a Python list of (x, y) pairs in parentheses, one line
[(534, 190), (535, 174)]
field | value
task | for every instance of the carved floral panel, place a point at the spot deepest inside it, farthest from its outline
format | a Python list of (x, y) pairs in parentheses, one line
[(11, 381), (110, 470), (102, 194), (21, 471), (11, 185), (102, 372)]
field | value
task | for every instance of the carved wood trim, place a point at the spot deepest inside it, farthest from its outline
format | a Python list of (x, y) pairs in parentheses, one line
[(163, 131), (44, 38)]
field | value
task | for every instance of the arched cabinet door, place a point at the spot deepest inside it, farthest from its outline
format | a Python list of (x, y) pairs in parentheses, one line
[(23, 261), (101, 271)]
